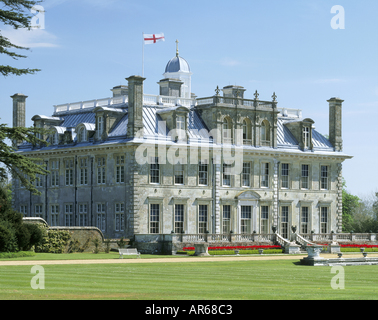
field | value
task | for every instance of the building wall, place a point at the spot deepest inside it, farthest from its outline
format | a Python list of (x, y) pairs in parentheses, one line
[(137, 194)]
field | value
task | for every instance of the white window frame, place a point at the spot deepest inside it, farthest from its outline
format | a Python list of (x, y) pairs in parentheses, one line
[(324, 177), (179, 217), (264, 219), (154, 171), (305, 179), (285, 175), (305, 219), (119, 210), (120, 169), (38, 210), (203, 218), (226, 174), (180, 127), (246, 174), (324, 219), (54, 173), (154, 218), (101, 170), (245, 219), (83, 214), (54, 210), (69, 168), (265, 173), (226, 218), (101, 216), (68, 215), (178, 175), (203, 174), (100, 126), (306, 137), (83, 172)]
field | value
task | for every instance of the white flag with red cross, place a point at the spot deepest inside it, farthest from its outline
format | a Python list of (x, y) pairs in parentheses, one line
[(153, 38)]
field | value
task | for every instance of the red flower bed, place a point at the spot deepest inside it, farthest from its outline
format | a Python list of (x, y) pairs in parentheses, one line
[(236, 247)]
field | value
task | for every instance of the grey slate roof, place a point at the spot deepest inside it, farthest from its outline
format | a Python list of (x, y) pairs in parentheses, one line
[(154, 128)]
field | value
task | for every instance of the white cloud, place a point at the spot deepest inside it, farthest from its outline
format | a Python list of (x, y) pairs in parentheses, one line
[(34, 38)]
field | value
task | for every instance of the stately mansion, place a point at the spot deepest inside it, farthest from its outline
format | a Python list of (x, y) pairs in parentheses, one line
[(141, 165)]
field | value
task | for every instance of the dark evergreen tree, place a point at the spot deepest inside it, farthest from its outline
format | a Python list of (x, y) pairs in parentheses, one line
[(15, 13)]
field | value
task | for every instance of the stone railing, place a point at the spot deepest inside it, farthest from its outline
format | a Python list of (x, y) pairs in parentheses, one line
[(340, 237), (148, 99), (229, 237)]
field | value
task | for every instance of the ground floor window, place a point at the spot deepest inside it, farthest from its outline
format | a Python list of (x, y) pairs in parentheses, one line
[(101, 217), (38, 211), (179, 218), (68, 215), (324, 220), (83, 220), (246, 214), (226, 218), (54, 215), (284, 221), (304, 220), (119, 216), (264, 219), (24, 210), (154, 218), (202, 219)]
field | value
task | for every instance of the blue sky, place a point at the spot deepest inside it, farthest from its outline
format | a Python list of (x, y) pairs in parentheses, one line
[(287, 47)]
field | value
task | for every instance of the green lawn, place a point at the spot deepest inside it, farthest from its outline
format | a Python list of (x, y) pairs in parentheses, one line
[(276, 279)]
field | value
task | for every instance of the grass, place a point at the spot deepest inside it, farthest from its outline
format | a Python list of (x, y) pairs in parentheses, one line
[(205, 280)]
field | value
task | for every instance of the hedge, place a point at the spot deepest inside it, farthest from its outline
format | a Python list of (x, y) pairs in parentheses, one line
[(20, 254)]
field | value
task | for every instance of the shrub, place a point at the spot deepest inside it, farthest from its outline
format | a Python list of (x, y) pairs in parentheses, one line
[(96, 243), (54, 241), (36, 235), (8, 240)]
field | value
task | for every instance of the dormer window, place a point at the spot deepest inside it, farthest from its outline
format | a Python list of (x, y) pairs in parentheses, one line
[(55, 138), (180, 127), (100, 126), (83, 135), (306, 137)]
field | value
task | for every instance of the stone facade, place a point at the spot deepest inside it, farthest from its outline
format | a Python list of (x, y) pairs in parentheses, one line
[(142, 166)]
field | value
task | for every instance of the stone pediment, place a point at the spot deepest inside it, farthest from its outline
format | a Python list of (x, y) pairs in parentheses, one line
[(248, 195)]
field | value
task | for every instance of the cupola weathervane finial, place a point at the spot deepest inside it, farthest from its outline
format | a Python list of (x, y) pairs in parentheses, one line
[(177, 50)]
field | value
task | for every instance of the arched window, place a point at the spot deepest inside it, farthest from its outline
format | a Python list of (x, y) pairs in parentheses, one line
[(227, 131), (83, 135), (54, 138), (265, 133), (247, 132)]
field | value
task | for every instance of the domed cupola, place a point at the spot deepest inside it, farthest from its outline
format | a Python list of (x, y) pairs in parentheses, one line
[(178, 68), (177, 64)]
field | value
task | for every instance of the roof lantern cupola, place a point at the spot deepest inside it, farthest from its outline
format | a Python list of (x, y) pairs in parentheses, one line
[(178, 68)]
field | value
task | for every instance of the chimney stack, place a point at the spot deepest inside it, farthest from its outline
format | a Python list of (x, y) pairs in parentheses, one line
[(135, 109), (18, 112), (335, 123), (119, 91)]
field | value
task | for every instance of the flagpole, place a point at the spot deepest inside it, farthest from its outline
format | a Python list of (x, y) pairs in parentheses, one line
[(143, 57)]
